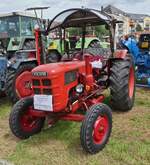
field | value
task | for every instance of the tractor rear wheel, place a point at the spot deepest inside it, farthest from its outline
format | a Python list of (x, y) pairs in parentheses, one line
[(122, 85), (18, 82), (96, 128), (21, 122)]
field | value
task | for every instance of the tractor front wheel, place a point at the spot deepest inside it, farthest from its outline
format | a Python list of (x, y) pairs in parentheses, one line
[(21, 122), (18, 82), (122, 85), (96, 128)]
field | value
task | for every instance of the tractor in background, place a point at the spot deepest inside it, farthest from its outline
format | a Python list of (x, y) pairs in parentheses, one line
[(56, 44), (141, 54), (16, 33), (72, 89), (56, 49), (19, 52)]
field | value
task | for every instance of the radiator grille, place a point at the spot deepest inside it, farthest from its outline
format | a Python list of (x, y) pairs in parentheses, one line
[(42, 86)]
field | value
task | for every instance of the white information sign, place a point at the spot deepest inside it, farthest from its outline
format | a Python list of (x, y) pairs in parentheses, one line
[(43, 102)]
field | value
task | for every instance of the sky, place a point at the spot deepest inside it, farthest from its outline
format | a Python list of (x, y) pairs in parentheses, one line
[(56, 6)]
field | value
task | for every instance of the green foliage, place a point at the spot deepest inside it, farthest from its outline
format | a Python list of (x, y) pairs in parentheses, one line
[(99, 31), (138, 28), (75, 31)]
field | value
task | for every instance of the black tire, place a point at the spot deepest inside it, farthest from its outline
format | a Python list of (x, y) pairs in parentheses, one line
[(19, 109), (29, 45), (12, 74), (119, 85), (53, 56), (87, 128)]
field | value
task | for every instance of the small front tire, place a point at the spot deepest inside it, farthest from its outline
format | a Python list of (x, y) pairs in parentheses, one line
[(21, 122), (96, 128)]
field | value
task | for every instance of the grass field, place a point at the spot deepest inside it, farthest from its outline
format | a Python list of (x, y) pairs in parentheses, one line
[(129, 143)]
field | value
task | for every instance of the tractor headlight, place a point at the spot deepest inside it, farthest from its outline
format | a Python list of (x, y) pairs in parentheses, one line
[(80, 88), (8, 63), (11, 61)]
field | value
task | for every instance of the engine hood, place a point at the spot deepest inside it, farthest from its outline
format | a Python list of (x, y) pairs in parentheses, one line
[(56, 68)]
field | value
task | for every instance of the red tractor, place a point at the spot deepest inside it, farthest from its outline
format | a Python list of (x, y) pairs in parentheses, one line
[(72, 89)]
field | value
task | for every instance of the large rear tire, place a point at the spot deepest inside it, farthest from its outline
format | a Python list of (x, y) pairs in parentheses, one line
[(96, 128), (122, 85), (22, 74), (21, 122)]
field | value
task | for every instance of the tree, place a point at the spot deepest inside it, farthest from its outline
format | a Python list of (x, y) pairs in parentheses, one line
[(138, 28), (101, 31)]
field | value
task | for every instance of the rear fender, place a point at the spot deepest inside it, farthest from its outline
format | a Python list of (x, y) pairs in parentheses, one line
[(88, 41), (121, 54)]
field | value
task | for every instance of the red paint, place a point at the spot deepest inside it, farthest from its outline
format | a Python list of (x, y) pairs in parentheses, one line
[(37, 113), (72, 117), (28, 122), (23, 84), (75, 106), (93, 101), (32, 55), (88, 70), (120, 54), (131, 82), (56, 72), (100, 129), (37, 45)]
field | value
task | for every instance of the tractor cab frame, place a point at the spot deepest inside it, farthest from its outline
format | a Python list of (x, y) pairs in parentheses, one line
[(63, 20)]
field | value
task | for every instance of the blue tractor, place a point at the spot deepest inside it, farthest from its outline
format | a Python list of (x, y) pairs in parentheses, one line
[(141, 55), (3, 66)]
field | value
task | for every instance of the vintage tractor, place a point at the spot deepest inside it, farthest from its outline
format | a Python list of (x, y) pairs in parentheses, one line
[(72, 89), (141, 55)]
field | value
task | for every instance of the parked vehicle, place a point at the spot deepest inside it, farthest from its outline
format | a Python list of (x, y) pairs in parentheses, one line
[(16, 33), (72, 89), (141, 55)]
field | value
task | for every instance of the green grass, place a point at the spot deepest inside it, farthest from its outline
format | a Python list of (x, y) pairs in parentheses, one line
[(129, 142), (4, 108)]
